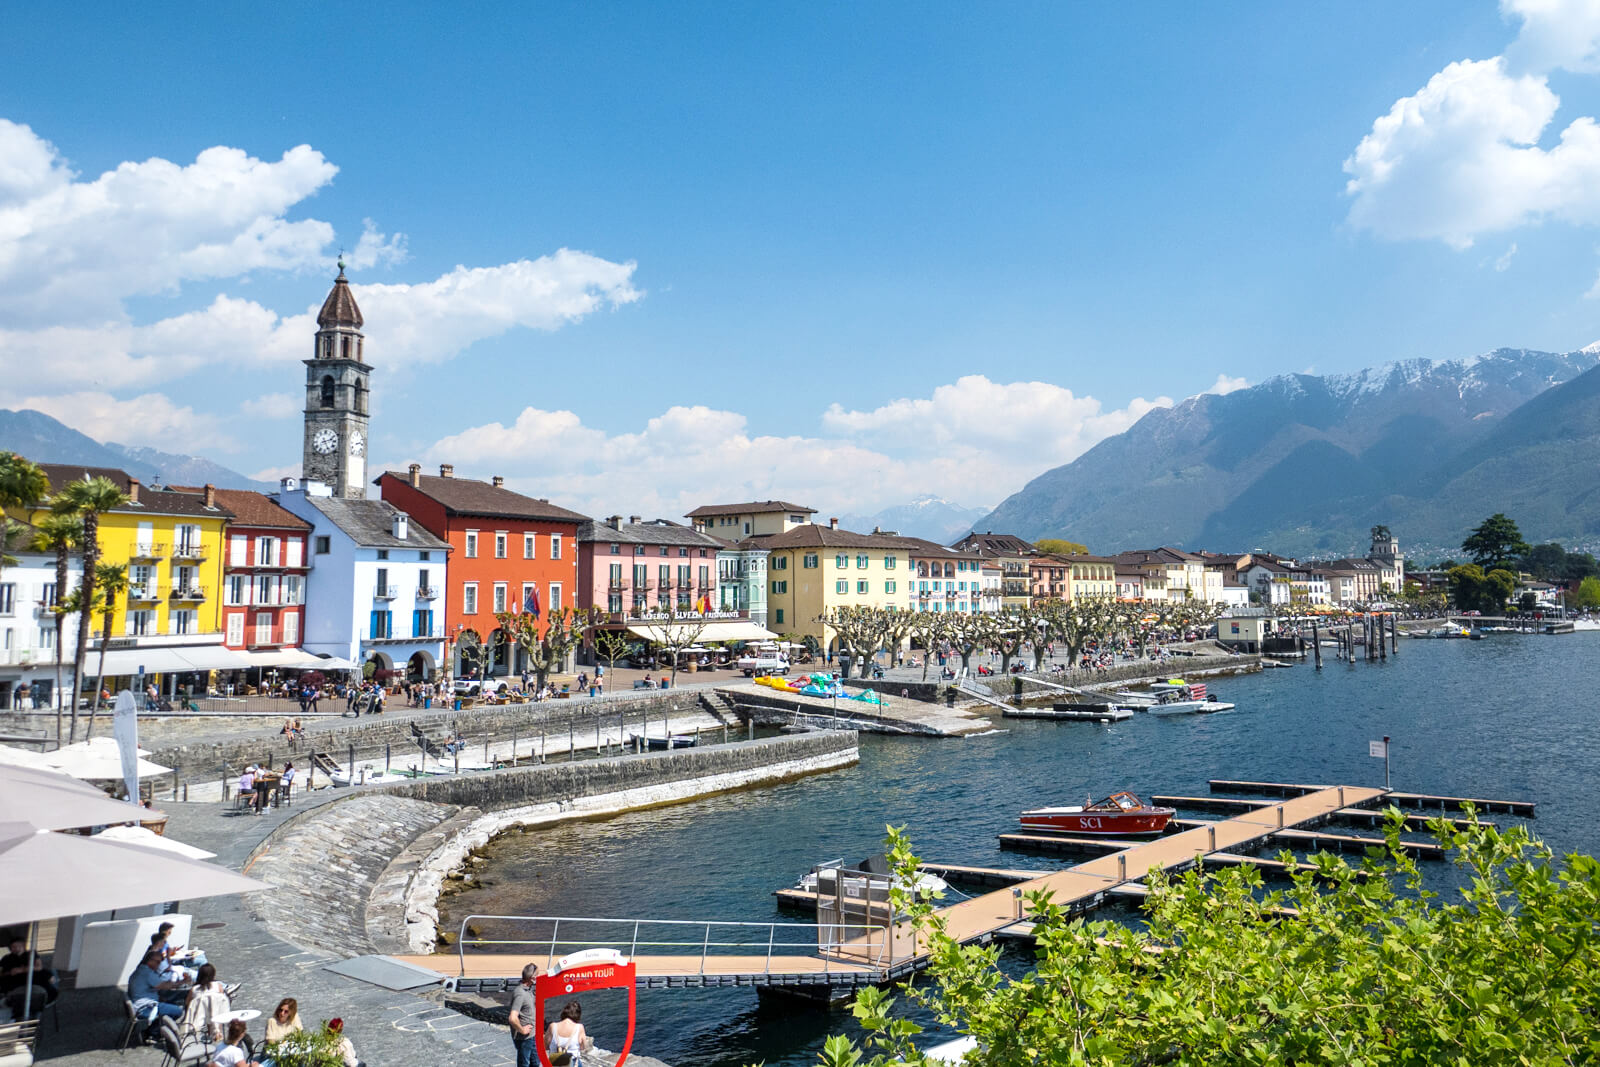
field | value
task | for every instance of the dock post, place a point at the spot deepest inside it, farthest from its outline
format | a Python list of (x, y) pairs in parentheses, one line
[(750, 723), (572, 741), (351, 748), (1122, 867), (1341, 796), (1385, 761), (1280, 816), (1394, 635), (1016, 903), (1211, 834), (597, 737), (486, 746), (386, 757), (457, 755), (1316, 644)]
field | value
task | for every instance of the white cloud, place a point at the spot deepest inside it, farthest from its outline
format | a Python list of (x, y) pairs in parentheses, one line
[(1462, 158), (148, 419), (271, 406), (273, 474), (972, 440), (1504, 262), (1225, 385)]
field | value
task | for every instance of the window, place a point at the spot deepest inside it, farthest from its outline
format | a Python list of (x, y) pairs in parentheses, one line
[(779, 619), (499, 597), (683, 576), (889, 562), (705, 576), (141, 623), (614, 575), (638, 550), (664, 575), (780, 587), (616, 550), (233, 590), (264, 628), (322, 546), (8, 598), (861, 563), (382, 624), (500, 545), (291, 628), (780, 563), (47, 639), (472, 544), (663, 550), (842, 585), (861, 586), (641, 578), (421, 623), (469, 598), (614, 603), (683, 553), (798, 520), (237, 547), (236, 628), (181, 622), (47, 592), (422, 580), (888, 587), (383, 553), (529, 545), (555, 546), (266, 552), (327, 389), (383, 581), (527, 588), (809, 561), (555, 598), (841, 561)]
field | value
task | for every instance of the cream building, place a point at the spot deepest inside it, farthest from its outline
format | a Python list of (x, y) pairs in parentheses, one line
[(813, 569)]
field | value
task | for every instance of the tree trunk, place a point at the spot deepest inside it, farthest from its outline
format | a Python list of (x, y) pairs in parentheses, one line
[(1039, 650), (99, 678), (91, 556), (59, 654), (1005, 659)]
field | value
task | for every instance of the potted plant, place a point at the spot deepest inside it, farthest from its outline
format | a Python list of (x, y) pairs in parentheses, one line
[(305, 1048)]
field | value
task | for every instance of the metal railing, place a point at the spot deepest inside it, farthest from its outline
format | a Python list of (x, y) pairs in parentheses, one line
[(383, 592), (868, 946), (427, 592), (188, 550), (189, 592), (149, 550)]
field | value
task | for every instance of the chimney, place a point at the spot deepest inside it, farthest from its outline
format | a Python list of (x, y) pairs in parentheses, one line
[(400, 525), (498, 482), (133, 490), (615, 522), (415, 475), (446, 471), (288, 485), (833, 524), (211, 496), (633, 520)]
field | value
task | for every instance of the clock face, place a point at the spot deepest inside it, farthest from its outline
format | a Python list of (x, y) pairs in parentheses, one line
[(325, 441), (357, 443)]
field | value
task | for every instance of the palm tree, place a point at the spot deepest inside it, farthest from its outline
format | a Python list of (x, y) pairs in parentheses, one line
[(22, 484), (60, 534), (112, 578), (88, 498)]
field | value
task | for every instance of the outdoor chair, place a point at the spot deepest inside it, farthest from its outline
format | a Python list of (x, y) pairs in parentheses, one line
[(134, 1019), (177, 1048)]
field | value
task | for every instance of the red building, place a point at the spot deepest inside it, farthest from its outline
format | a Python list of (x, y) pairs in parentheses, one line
[(506, 547), (263, 574)]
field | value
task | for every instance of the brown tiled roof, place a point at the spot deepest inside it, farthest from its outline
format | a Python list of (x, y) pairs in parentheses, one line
[(151, 501), (469, 496), (925, 549), (340, 307), (813, 535), (994, 544), (251, 508), (754, 507), (654, 532)]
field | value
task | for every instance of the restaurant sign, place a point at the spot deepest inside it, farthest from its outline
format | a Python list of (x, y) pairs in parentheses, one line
[(686, 616)]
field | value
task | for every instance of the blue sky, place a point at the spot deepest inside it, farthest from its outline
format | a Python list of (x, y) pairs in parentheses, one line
[(945, 246)]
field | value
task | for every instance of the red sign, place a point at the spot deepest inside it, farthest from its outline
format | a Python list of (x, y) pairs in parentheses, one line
[(584, 972)]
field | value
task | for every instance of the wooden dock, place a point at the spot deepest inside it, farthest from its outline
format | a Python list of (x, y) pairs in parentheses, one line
[(1062, 843), (1366, 816), (1524, 808)]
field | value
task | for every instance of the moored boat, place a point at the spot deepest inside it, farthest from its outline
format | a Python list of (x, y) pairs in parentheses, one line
[(1118, 814), (661, 744), (1189, 699)]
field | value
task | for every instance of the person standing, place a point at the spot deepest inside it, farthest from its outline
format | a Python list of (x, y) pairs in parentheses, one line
[(523, 1014)]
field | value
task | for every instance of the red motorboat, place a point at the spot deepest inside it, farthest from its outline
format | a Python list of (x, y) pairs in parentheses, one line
[(1118, 814)]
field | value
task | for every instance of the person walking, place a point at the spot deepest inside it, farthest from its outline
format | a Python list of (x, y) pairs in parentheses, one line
[(523, 1014)]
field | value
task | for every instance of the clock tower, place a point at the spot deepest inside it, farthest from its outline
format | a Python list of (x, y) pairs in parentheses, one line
[(336, 397)]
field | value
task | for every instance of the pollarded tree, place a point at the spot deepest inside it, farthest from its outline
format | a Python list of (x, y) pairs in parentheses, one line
[(1013, 627), (861, 633), (679, 631), (547, 646), (970, 633), (897, 627)]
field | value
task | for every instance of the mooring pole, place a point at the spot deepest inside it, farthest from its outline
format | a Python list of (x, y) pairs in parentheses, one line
[(1316, 644), (1385, 761)]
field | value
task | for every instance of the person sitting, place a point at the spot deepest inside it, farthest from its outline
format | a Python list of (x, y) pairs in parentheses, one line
[(566, 1035), (285, 1020), (167, 969), (148, 990), (286, 780), (344, 1049), (247, 781), (233, 1053), (14, 972), (208, 1006)]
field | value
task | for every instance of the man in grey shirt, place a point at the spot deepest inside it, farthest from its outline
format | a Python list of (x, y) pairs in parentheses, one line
[(523, 1015)]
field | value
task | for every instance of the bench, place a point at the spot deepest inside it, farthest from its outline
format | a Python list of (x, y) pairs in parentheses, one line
[(640, 683)]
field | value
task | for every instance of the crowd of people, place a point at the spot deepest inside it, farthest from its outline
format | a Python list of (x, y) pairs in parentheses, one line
[(181, 987)]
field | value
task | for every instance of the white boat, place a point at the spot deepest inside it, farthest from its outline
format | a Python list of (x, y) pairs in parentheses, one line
[(1187, 700), (876, 882)]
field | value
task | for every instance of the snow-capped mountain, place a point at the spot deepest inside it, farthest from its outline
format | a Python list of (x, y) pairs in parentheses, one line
[(1303, 463), (930, 517)]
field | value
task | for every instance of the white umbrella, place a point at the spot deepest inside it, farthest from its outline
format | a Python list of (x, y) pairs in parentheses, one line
[(53, 801), (99, 759), (144, 838), (46, 875), (21, 757)]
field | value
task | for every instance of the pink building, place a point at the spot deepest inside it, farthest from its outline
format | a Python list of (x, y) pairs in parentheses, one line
[(630, 568)]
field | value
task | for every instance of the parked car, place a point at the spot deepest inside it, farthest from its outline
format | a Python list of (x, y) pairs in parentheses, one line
[(764, 662)]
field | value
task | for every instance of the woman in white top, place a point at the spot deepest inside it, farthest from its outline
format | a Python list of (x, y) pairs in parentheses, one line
[(567, 1035), (207, 1009)]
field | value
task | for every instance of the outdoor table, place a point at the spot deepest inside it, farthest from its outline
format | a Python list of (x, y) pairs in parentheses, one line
[(243, 1015), (266, 786)]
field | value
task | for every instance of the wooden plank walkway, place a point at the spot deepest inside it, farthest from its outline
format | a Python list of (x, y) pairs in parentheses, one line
[(1063, 843), (1524, 808), (1368, 816), (496, 972)]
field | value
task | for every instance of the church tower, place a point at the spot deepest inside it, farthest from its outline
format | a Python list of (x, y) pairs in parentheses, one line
[(336, 397)]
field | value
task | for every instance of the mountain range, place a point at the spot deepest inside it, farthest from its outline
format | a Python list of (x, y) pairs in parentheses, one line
[(46, 440), (931, 518), (1305, 464)]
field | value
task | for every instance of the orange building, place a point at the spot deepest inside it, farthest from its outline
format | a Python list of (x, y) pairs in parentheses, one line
[(508, 550)]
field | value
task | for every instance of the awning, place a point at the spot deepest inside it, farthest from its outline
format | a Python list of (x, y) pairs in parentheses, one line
[(168, 659), (714, 631), (282, 657), (213, 658)]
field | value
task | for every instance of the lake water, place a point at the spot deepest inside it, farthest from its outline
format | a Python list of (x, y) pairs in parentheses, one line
[(1509, 717)]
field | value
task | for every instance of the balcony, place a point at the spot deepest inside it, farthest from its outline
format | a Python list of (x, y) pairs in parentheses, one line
[(189, 593), (149, 550), (142, 593), (194, 550), (427, 592), (46, 612), (616, 587), (383, 592)]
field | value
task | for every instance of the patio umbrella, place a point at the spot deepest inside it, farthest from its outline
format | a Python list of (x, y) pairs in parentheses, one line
[(143, 838), (51, 800), (21, 757), (46, 875), (99, 759)]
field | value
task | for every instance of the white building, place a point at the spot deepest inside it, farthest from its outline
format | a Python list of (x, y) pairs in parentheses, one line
[(27, 628), (375, 582)]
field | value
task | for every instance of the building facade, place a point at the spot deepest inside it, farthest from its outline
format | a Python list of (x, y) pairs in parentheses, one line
[(334, 450), (1013, 555), (28, 650), (947, 580), (263, 574), (742, 579), (756, 518), (507, 550), (813, 569)]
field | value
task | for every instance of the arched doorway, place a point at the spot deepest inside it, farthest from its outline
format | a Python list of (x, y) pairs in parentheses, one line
[(501, 650), (468, 659), (378, 668), (419, 668)]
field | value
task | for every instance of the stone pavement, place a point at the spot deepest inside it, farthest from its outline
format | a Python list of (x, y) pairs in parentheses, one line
[(385, 1027)]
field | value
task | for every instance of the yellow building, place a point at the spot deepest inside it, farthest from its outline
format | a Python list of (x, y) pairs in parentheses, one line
[(1092, 576), (757, 518), (814, 569), (171, 543)]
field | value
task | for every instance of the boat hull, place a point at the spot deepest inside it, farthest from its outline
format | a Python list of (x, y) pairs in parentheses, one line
[(1109, 823)]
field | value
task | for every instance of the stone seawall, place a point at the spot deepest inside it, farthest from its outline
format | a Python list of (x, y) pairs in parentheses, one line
[(362, 873), (1128, 674)]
